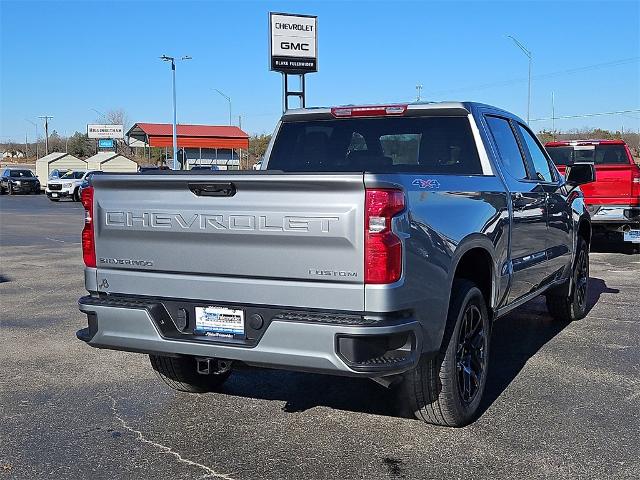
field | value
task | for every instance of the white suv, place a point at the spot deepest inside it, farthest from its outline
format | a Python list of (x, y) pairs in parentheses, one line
[(67, 186)]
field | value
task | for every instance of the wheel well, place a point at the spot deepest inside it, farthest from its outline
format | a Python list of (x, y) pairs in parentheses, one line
[(476, 265), (584, 231)]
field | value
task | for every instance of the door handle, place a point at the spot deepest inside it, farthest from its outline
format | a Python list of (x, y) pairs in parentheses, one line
[(222, 189)]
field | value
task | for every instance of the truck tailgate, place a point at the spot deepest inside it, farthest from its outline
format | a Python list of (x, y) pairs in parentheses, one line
[(613, 185), (185, 235)]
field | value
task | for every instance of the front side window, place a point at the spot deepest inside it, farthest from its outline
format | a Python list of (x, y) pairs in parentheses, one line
[(510, 153), (542, 169), (438, 145)]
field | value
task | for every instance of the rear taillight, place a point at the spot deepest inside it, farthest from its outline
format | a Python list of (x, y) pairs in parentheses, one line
[(383, 248), (88, 238), (635, 182)]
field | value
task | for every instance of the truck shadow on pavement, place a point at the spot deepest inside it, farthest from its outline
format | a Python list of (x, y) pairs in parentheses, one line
[(515, 339), (521, 334), (603, 244)]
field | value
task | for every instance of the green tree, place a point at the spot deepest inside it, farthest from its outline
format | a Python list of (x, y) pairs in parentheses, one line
[(80, 145), (258, 146)]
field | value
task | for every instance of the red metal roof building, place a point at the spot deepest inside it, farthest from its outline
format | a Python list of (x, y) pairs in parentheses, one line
[(195, 136), (202, 144)]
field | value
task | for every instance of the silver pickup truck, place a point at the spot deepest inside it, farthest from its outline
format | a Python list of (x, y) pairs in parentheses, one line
[(376, 241)]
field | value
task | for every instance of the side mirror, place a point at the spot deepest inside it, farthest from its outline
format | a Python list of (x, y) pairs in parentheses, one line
[(580, 173)]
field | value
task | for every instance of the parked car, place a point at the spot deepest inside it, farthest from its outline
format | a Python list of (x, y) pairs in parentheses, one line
[(152, 168), (66, 186), (205, 167), (613, 200), (381, 242), (86, 181), (18, 180)]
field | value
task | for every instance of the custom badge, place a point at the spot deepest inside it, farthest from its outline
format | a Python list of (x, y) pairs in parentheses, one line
[(429, 183)]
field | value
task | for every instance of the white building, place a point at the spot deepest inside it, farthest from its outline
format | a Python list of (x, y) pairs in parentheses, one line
[(111, 162), (57, 161)]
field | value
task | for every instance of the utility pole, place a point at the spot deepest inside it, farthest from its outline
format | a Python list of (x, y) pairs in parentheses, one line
[(166, 58), (228, 100), (240, 122), (419, 91), (46, 132), (553, 116), (529, 56), (35, 125), (26, 144)]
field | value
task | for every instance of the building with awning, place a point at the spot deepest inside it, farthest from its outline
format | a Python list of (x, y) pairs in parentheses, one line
[(199, 144)]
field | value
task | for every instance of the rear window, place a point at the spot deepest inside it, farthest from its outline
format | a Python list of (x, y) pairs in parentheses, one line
[(438, 145), (598, 154)]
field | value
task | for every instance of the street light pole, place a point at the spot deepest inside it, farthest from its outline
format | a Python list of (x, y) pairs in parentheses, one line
[(102, 117), (529, 56), (35, 125), (173, 75), (228, 100), (46, 132), (419, 91)]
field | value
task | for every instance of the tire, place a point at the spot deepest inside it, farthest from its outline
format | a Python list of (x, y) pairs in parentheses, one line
[(565, 307), (9, 190), (442, 390), (76, 195), (180, 374)]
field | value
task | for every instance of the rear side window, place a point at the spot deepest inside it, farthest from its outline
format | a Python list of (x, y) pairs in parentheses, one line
[(438, 145), (510, 153)]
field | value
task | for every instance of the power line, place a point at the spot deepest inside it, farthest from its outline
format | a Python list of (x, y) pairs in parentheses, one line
[(585, 115), (504, 83)]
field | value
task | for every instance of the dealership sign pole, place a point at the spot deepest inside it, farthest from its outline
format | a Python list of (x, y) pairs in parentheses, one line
[(293, 50)]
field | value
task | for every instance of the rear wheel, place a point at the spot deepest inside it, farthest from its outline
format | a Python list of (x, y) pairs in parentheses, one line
[(447, 389), (567, 308), (180, 374)]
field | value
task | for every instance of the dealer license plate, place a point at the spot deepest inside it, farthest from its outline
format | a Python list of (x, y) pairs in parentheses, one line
[(632, 236), (221, 322)]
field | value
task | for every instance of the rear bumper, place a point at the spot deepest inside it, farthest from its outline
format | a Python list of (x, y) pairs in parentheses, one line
[(615, 214), (330, 346)]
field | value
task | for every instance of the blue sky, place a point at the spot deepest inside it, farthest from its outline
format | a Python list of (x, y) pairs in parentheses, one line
[(66, 58)]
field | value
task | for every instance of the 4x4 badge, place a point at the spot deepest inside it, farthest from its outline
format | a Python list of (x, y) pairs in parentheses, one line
[(428, 183)]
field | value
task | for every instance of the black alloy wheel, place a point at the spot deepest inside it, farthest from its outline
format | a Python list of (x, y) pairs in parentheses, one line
[(470, 354)]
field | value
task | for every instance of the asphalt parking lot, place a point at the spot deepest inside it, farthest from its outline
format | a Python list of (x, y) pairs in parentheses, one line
[(563, 401)]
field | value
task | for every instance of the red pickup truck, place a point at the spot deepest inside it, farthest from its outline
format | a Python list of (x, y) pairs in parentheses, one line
[(613, 199)]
